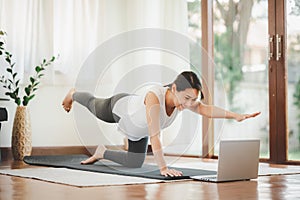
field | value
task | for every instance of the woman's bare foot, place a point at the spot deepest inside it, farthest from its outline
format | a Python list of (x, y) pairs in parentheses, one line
[(67, 102), (99, 153)]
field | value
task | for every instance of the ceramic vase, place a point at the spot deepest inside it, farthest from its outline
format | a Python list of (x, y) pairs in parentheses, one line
[(21, 134)]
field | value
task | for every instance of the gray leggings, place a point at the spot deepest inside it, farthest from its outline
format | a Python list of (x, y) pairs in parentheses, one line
[(102, 109)]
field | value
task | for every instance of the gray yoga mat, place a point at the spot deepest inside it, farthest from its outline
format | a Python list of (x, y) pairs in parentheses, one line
[(73, 162)]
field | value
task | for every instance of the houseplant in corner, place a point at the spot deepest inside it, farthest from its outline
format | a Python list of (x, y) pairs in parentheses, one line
[(21, 133)]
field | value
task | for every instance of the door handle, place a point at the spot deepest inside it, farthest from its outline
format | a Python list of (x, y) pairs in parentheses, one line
[(271, 47), (278, 47)]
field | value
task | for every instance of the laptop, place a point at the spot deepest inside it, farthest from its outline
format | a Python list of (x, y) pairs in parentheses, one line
[(238, 160)]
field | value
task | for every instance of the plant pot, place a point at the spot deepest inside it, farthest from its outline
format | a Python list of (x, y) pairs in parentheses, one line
[(21, 134)]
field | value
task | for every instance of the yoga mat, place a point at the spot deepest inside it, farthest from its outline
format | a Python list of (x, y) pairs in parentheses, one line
[(146, 171)]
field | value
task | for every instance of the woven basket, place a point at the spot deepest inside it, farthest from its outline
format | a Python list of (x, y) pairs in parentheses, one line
[(21, 134)]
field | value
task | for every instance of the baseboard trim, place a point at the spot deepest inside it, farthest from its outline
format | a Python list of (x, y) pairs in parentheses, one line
[(6, 152)]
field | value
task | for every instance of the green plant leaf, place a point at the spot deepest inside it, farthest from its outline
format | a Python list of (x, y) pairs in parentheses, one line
[(25, 101), (18, 101), (7, 59), (14, 75), (37, 69), (27, 90), (31, 97), (32, 80), (10, 94), (34, 85), (17, 83), (9, 70)]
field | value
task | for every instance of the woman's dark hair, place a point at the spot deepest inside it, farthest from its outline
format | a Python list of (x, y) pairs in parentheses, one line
[(187, 79)]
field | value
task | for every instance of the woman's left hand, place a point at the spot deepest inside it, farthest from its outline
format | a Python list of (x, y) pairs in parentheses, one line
[(242, 117), (170, 172)]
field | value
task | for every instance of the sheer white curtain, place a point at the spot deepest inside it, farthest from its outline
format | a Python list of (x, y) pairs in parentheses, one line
[(29, 26), (73, 29)]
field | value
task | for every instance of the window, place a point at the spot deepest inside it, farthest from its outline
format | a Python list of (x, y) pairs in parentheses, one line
[(293, 61), (241, 72)]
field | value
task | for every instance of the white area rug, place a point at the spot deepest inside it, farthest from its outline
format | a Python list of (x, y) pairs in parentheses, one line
[(264, 168), (76, 177), (85, 179)]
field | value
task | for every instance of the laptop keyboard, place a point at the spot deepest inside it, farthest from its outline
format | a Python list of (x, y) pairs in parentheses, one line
[(209, 178), (212, 178)]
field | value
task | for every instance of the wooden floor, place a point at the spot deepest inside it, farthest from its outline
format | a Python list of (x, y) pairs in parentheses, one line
[(265, 187)]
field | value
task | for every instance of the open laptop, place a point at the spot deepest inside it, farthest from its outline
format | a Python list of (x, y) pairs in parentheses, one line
[(238, 160)]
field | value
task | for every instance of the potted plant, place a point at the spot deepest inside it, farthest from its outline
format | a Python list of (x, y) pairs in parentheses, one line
[(21, 133)]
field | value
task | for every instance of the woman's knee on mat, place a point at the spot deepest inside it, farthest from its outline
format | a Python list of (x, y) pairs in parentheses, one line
[(135, 160)]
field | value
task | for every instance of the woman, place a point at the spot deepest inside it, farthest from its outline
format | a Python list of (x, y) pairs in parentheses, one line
[(141, 117)]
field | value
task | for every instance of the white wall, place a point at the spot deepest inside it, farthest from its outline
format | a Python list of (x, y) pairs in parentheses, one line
[(51, 125)]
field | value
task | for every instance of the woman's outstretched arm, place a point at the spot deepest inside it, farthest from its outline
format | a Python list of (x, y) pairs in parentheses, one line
[(212, 111)]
